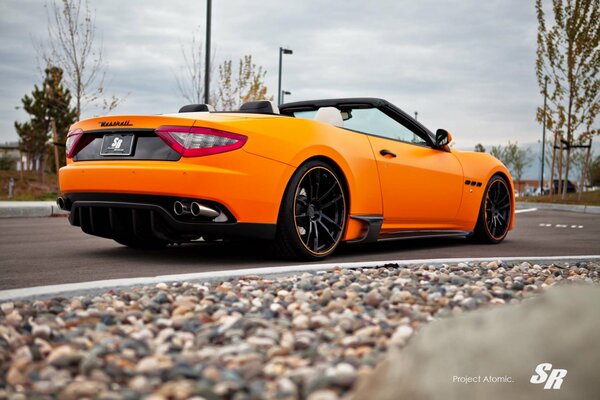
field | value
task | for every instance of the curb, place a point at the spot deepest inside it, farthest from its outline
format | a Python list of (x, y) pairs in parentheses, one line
[(28, 209), (560, 207), (81, 288)]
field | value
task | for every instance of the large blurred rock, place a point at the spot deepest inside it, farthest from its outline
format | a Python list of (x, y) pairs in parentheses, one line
[(561, 327)]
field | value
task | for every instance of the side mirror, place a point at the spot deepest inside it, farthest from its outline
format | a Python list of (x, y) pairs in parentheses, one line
[(442, 138)]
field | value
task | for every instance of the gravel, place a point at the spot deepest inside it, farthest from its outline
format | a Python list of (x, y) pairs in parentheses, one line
[(308, 336)]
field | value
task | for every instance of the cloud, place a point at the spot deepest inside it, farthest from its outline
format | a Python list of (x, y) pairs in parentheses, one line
[(466, 66)]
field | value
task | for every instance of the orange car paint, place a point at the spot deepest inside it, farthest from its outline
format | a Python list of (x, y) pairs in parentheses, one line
[(251, 181)]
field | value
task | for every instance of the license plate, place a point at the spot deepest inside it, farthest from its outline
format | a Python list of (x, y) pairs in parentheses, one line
[(117, 144)]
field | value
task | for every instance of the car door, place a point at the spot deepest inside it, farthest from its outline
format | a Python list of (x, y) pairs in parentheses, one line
[(421, 186)]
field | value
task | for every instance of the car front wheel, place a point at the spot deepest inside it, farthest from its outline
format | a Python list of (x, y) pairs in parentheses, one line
[(495, 212)]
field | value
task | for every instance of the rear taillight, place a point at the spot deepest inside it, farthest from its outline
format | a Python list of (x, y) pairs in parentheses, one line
[(196, 141), (75, 143)]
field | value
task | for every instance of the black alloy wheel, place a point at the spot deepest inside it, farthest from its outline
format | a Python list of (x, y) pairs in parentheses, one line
[(496, 212), (313, 215)]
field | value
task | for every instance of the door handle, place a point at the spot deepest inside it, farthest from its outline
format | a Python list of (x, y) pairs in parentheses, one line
[(385, 153)]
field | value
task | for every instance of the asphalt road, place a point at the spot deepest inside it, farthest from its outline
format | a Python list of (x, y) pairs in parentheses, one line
[(46, 251)]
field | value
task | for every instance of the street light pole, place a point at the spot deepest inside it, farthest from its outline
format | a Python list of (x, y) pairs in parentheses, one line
[(207, 59), (282, 51), (283, 94), (544, 139)]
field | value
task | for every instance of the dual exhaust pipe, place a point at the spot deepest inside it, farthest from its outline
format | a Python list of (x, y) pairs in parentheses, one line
[(179, 208), (63, 203), (196, 209)]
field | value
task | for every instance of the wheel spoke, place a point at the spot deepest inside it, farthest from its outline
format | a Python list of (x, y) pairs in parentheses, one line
[(302, 201), (326, 218), (327, 231), (317, 184), (316, 243), (333, 186), (335, 199), (503, 199)]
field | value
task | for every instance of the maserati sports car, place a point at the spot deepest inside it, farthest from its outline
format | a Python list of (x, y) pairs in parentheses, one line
[(306, 175)]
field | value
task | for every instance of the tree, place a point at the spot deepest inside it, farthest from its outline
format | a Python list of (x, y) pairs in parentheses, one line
[(595, 172), (517, 159), (500, 153), (248, 84), (514, 158), (190, 81), (72, 47), (479, 148), (49, 108), (568, 57)]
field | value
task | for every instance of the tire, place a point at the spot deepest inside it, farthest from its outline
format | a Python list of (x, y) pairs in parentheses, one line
[(495, 212), (145, 244), (313, 212)]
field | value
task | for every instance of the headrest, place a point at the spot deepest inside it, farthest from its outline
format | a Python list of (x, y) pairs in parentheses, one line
[(260, 107), (329, 115), (196, 108)]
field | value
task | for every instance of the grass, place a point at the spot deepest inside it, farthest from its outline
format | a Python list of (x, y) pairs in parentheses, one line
[(587, 198), (28, 188)]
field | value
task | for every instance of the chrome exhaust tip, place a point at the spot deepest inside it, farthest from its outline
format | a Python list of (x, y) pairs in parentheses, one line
[(61, 203), (180, 208), (199, 210)]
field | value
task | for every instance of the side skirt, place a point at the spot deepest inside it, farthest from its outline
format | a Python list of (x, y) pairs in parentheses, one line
[(421, 234), (372, 231)]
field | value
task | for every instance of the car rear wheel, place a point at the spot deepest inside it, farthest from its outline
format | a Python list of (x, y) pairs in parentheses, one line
[(495, 212), (312, 217)]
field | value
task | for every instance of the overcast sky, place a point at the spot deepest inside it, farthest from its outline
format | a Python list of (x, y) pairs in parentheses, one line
[(467, 66)]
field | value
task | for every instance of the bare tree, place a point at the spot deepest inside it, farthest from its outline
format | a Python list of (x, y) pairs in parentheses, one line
[(190, 81), (248, 84), (72, 46), (568, 54), (500, 153)]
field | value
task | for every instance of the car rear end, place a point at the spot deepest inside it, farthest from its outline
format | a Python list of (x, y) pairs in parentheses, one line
[(172, 178)]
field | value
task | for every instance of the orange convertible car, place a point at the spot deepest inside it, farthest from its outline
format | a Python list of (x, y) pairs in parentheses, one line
[(307, 175)]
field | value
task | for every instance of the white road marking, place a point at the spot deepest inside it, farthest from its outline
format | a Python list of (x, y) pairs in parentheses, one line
[(563, 226), (524, 210), (264, 271)]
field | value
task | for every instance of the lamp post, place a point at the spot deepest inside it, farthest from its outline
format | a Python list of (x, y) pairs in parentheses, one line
[(207, 53), (544, 140), (283, 93), (282, 51)]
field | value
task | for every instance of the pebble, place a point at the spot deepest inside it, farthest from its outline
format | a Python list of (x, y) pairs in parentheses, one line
[(301, 322), (401, 335), (344, 375), (64, 356), (309, 336)]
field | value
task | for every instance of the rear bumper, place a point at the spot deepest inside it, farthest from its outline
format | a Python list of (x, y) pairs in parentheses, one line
[(249, 186), (117, 216)]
